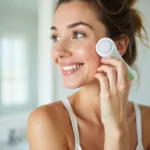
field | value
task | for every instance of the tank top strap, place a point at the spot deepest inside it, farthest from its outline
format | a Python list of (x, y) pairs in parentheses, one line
[(138, 126), (73, 123)]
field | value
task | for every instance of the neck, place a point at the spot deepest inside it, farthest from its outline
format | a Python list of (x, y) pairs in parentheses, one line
[(87, 103)]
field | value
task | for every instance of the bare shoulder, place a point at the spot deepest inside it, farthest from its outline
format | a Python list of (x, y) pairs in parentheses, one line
[(45, 130), (51, 113), (145, 113)]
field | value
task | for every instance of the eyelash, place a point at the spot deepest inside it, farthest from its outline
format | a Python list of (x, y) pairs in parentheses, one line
[(54, 37), (76, 32)]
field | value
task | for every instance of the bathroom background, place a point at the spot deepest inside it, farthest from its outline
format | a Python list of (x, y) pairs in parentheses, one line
[(28, 78)]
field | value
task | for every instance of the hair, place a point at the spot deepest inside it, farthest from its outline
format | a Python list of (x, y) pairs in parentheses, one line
[(120, 18)]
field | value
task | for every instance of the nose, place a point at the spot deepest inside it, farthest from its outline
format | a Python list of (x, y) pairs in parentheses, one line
[(61, 49)]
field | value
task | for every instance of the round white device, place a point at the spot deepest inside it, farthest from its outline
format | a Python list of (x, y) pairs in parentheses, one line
[(105, 47)]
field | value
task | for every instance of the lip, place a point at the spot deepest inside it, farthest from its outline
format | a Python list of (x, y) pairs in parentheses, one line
[(69, 72), (70, 63)]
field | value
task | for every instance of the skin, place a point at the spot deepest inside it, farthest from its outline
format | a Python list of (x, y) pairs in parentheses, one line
[(103, 91)]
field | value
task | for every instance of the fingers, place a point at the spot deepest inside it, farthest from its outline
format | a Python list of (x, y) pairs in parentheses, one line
[(110, 71), (122, 73), (104, 84), (113, 78), (116, 72)]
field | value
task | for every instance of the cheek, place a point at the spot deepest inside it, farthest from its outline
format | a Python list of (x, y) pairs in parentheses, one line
[(88, 52), (90, 57)]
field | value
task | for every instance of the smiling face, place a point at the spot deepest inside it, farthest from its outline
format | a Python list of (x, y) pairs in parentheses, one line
[(75, 32)]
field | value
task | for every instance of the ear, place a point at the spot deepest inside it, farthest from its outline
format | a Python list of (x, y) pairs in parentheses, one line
[(122, 44)]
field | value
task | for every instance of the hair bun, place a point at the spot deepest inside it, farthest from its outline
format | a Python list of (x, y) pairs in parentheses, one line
[(132, 2)]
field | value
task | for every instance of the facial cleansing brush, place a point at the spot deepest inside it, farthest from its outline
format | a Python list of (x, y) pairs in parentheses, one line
[(105, 47)]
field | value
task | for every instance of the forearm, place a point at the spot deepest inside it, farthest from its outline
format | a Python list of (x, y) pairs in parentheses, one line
[(116, 140)]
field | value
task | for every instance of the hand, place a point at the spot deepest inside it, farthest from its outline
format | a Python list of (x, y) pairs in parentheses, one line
[(114, 89)]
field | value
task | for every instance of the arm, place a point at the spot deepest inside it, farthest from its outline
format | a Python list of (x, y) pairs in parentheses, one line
[(114, 89), (116, 139), (43, 131)]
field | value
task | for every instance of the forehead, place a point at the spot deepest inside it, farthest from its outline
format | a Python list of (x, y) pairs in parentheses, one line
[(75, 11)]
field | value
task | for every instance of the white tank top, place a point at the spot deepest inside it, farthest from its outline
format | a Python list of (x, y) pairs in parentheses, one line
[(76, 132)]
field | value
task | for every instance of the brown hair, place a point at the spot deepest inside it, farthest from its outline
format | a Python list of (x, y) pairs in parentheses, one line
[(120, 18)]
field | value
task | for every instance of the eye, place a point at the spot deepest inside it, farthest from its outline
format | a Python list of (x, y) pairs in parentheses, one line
[(54, 38), (78, 35)]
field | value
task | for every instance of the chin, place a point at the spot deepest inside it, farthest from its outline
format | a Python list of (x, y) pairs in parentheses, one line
[(72, 85), (75, 85)]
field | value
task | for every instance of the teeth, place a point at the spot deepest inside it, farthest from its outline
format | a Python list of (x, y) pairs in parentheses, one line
[(78, 66), (74, 66), (71, 67)]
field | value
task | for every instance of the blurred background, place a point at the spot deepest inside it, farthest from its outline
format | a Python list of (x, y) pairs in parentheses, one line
[(28, 78)]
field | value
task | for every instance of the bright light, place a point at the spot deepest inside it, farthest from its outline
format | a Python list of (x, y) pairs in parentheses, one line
[(14, 83)]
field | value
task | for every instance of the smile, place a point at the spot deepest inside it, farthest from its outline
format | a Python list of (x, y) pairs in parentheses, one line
[(67, 70)]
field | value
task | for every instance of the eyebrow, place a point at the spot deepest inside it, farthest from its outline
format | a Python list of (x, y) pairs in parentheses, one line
[(74, 25)]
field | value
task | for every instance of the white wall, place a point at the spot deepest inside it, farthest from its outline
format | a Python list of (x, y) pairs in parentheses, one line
[(45, 65), (142, 95)]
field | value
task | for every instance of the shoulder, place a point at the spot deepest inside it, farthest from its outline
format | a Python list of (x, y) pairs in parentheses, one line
[(46, 122), (47, 113), (145, 113)]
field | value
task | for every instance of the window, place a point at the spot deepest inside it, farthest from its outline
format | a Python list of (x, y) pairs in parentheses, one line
[(15, 87), (18, 56)]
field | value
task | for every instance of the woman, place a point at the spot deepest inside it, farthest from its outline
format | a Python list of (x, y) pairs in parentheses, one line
[(98, 116)]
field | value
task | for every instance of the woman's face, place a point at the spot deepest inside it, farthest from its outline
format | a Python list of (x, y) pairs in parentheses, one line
[(75, 32)]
